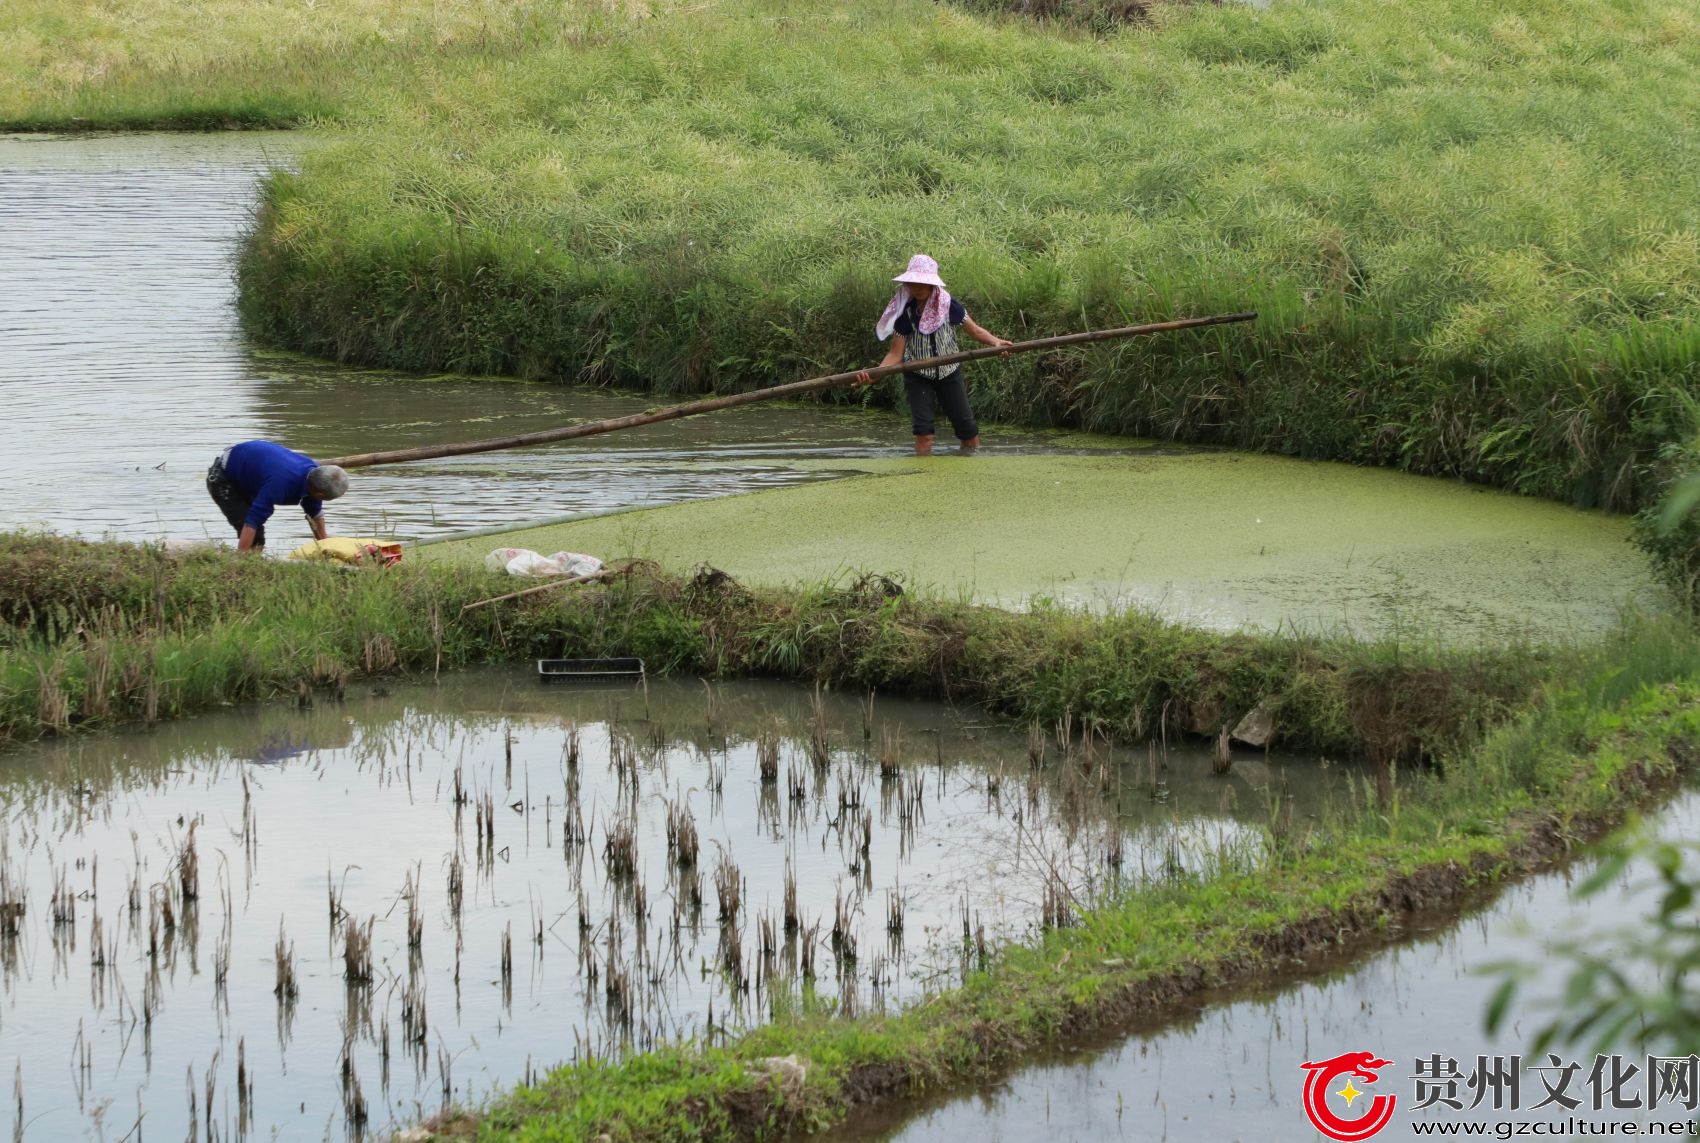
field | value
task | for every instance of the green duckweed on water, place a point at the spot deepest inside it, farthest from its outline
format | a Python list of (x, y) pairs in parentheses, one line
[(1224, 541)]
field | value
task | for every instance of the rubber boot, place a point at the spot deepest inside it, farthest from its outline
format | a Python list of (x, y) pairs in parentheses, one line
[(924, 445), (971, 446)]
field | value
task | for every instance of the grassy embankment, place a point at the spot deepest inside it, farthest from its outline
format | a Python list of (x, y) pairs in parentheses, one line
[(219, 64), (97, 633), (1470, 228)]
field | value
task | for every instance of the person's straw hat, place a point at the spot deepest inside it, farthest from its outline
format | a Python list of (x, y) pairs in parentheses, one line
[(922, 269)]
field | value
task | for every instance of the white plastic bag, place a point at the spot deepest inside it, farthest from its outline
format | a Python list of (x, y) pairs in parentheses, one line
[(576, 563), (525, 562)]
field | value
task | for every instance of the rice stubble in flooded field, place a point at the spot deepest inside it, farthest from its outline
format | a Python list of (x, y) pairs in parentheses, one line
[(337, 919)]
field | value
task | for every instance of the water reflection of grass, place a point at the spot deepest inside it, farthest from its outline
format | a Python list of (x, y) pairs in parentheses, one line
[(961, 826), (1522, 798)]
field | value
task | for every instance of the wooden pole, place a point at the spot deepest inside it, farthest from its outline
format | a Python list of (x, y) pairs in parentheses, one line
[(792, 389), (554, 583)]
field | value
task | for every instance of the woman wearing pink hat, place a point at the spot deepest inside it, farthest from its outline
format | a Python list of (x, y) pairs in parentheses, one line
[(921, 321)]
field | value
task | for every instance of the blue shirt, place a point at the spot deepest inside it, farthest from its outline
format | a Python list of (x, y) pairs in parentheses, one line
[(906, 321), (271, 475)]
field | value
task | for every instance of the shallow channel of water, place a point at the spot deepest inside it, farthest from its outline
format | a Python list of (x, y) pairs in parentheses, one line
[(124, 373), (1228, 1067), (453, 825)]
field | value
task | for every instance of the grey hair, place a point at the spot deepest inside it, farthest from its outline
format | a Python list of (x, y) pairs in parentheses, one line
[(327, 482)]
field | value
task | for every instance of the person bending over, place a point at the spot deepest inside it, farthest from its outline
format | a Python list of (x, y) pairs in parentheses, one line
[(921, 320), (250, 479)]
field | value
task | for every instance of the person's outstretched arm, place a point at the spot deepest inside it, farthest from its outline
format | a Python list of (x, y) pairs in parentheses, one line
[(314, 509), (982, 334)]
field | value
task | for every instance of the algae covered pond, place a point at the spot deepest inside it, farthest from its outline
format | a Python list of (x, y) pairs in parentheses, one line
[(473, 881), (1221, 540)]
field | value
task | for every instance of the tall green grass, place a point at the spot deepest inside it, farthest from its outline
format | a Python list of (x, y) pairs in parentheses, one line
[(1470, 229)]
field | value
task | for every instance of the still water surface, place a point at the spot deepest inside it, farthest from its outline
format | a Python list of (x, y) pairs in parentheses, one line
[(469, 806)]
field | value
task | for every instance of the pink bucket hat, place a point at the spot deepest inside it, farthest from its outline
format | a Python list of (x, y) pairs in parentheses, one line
[(924, 270)]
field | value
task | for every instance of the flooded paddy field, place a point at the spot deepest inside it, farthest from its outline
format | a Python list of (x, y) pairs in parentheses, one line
[(305, 923), (1227, 1067)]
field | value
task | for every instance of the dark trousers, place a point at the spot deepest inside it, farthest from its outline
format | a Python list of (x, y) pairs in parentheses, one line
[(232, 501), (948, 393)]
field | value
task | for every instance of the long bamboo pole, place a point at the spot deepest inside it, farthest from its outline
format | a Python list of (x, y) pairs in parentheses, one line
[(792, 389)]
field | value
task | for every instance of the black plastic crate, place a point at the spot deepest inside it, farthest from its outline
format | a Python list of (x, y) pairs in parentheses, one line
[(570, 670)]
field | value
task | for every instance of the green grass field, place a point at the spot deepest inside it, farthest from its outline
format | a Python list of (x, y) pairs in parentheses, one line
[(1471, 229), (83, 64)]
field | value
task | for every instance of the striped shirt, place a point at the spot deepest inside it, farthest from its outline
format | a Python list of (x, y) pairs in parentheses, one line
[(941, 341)]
